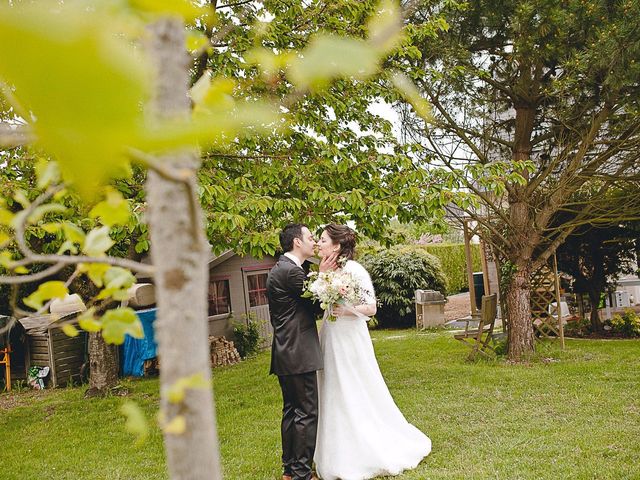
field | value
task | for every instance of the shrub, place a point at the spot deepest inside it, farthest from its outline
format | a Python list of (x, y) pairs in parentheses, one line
[(580, 327), (501, 347), (627, 324), (247, 337), (396, 274)]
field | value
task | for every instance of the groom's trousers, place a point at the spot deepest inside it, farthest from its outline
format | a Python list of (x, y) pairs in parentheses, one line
[(299, 423)]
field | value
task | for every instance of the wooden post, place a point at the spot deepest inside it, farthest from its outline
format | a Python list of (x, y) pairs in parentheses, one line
[(467, 252), (485, 269), (6, 360), (558, 306)]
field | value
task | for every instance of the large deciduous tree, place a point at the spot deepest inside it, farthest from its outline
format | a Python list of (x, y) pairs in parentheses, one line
[(338, 159), (532, 100), (89, 117)]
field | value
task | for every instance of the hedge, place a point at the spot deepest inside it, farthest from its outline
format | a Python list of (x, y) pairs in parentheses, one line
[(454, 263)]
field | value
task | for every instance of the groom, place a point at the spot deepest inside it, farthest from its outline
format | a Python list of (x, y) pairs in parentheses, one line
[(295, 352)]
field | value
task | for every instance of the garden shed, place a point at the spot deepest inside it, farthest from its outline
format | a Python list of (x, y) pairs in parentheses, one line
[(48, 346), (237, 290)]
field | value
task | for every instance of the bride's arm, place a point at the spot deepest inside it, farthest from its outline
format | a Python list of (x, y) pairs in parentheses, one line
[(368, 310)]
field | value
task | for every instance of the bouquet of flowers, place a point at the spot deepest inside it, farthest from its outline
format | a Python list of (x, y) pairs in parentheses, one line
[(336, 287)]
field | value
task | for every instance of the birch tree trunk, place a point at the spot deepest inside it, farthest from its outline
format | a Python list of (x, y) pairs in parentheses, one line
[(180, 253)]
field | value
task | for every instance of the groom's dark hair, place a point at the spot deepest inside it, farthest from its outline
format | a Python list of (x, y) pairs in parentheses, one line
[(288, 233)]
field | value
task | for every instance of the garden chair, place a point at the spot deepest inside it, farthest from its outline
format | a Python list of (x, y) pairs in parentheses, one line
[(481, 339)]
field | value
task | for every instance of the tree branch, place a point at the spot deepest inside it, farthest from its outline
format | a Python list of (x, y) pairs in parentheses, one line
[(152, 163), (31, 257), (236, 4), (15, 137), (33, 277)]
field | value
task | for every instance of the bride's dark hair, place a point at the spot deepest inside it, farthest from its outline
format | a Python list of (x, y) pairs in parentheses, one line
[(345, 237)]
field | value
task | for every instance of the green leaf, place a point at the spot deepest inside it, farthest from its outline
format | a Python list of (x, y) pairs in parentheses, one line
[(42, 210), (95, 272), (69, 330), (5, 259), (52, 227), (177, 426), (212, 94), (118, 277), (196, 41), (328, 57), (20, 196), (47, 172), (142, 245), (385, 26), (73, 233), (269, 62), (176, 393), (136, 422), (95, 84), (209, 126), (117, 281), (119, 322), (6, 217), (67, 246), (112, 211), (186, 9), (88, 322), (46, 291), (411, 94), (97, 242), (4, 239)]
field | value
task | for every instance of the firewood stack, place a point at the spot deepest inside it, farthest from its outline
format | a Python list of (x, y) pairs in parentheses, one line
[(222, 352)]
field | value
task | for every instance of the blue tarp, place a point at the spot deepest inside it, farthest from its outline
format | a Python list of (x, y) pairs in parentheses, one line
[(135, 351)]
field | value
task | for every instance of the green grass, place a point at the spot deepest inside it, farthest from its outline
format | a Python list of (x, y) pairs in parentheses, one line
[(576, 415)]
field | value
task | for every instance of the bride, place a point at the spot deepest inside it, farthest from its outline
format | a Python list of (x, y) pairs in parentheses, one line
[(361, 431)]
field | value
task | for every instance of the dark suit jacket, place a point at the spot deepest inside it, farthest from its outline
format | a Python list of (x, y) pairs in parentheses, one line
[(296, 347)]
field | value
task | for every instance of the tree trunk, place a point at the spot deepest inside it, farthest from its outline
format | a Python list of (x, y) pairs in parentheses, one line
[(521, 341), (180, 255), (594, 301), (103, 366)]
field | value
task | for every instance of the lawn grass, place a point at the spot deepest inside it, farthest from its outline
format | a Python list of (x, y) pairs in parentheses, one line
[(575, 415)]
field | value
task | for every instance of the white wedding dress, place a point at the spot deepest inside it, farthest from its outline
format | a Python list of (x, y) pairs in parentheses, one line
[(361, 431)]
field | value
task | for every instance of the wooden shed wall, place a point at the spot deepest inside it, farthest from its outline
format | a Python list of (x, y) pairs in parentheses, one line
[(62, 354), (38, 351), (68, 355), (232, 270)]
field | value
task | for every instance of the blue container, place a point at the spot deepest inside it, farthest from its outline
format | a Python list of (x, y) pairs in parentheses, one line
[(136, 350)]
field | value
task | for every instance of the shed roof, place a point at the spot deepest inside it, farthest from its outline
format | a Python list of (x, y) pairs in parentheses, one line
[(40, 323)]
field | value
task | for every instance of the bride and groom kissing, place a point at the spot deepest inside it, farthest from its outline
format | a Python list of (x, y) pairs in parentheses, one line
[(337, 410)]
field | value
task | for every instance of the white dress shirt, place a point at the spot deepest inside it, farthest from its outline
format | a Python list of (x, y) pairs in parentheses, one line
[(294, 258)]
